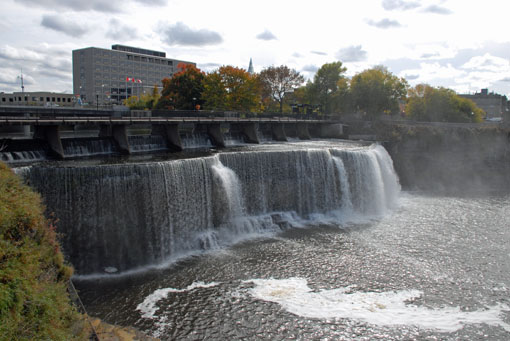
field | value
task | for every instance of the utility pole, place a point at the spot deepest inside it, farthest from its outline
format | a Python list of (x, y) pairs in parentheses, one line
[(22, 86)]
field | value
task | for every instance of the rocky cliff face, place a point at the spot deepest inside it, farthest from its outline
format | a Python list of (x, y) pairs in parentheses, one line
[(447, 157)]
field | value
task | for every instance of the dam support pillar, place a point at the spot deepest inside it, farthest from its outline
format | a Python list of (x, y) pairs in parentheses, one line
[(331, 130), (214, 132), (278, 132), (51, 134), (302, 131), (119, 134), (249, 131), (171, 133)]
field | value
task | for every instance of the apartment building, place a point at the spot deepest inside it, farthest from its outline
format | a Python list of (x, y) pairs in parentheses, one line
[(102, 76)]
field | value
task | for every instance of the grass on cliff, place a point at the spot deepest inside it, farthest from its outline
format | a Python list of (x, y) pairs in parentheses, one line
[(34, 303)]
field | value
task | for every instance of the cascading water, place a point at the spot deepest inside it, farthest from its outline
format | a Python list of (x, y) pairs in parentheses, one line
[(133, 215)]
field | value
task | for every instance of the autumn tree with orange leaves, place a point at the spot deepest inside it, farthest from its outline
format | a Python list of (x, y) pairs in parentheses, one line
[(232, 88), (184, 90)]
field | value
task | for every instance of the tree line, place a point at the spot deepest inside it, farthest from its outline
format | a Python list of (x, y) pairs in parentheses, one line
[(370, 93)]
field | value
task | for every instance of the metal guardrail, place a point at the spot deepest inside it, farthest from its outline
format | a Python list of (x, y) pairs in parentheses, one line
[(13, 120)]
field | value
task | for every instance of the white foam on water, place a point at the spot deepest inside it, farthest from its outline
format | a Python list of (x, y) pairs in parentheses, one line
[(148, 307), (376, 308)]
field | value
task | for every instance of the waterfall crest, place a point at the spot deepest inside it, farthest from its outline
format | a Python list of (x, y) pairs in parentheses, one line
[(133, 215)]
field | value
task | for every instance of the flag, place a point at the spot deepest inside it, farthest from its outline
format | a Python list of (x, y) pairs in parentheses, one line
[(138, 80)]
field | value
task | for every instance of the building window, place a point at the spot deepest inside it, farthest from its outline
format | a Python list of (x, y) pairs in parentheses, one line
[(41, 99), (58, 99), (47, 99), (53, 99), (3, 99)]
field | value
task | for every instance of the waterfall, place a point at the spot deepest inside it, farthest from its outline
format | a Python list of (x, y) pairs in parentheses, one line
[(127, 216)]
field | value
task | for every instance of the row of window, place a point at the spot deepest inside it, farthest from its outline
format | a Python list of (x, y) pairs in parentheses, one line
[(12, 99), (149, 60)]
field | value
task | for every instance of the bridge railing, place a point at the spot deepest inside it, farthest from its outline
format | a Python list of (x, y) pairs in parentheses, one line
[(44, 112)]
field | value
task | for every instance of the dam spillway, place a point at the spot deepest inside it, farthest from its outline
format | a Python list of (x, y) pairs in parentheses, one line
[(129, 216)]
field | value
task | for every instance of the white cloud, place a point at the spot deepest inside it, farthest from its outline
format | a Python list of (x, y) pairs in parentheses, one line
[(11, 53), (183, 35), (384, 23), (402, 5), (487, 62)]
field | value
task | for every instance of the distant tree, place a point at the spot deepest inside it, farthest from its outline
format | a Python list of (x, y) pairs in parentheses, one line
[(376, 91), (184, 89), (278, 81), (426, 103), (231, 88), (323, 89), (145, 101)]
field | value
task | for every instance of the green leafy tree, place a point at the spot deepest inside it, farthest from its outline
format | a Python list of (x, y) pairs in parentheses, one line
[(279, 81), (426, 103), (183, 90), (324, 88), (231, 88), (376, 91)]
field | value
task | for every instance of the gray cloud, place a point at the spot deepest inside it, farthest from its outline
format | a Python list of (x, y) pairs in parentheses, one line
[(430, 55), (120, 32), (402, 5), (266, 35), (320, 53), (180, 34), (437, 10), (310, 68), (297, 55), (110, 6), (62, 25), (506, 80), (411, 77), (351, 54), (384, 23)]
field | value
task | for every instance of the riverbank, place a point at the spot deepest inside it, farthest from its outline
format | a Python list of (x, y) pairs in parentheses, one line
[(34, 303)]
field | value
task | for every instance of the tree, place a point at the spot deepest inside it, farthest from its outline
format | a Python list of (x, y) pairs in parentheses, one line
[(324, 87), (375, 91), (145, 101), (425, 103), (184, 89), (231, 88), (278, 81)]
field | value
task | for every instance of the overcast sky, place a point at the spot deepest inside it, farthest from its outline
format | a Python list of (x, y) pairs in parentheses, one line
[(460, 44)]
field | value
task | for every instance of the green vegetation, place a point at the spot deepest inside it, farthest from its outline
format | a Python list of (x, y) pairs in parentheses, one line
[(426, 103), (34, 303), (375, 91), (370, 94)]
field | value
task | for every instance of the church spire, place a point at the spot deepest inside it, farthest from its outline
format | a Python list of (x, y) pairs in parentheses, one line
[(250, 68)]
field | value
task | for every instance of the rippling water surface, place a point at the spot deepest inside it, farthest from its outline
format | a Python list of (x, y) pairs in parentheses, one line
[(436, 268)]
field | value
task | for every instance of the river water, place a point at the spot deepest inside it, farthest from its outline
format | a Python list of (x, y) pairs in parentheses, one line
[(304, 240), (435, 268)]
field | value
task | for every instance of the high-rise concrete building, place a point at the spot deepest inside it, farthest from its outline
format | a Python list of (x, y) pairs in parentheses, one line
[(106, 76)]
